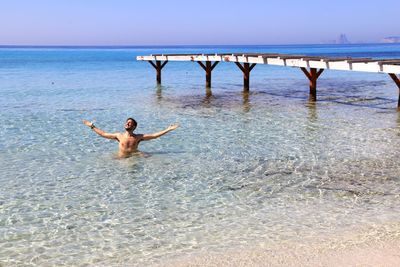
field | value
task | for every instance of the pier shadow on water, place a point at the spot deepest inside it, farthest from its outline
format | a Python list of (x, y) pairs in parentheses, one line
[(159, 92), (208, 99), (349, 93), (398, 120), (312, 111)]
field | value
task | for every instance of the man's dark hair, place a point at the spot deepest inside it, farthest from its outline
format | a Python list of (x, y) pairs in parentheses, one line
[(133, 120)]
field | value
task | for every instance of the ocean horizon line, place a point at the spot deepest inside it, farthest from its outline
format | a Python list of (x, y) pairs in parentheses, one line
[(182, 46)]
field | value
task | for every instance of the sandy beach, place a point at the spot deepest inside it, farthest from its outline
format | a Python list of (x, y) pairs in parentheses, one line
[(374, 247), (372, 254)]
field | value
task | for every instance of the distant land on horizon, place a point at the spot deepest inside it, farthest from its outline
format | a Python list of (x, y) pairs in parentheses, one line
[(391, 40), (342, 39)]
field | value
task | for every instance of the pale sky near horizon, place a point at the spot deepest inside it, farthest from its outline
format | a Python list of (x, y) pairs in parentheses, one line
[(174, 22)]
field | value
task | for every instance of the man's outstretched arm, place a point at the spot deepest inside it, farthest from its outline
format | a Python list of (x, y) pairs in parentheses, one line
[(100, 132), (158, 134)]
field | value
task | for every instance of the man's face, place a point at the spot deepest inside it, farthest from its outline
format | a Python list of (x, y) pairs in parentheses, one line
[(129, 125)]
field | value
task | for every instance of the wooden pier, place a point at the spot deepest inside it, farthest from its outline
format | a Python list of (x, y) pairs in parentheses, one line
[(311, 66)]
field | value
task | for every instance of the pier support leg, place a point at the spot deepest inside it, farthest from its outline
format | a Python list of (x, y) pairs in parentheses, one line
[(208, 67), (158, 66), (397, 81), (246, 69), (313, 75)]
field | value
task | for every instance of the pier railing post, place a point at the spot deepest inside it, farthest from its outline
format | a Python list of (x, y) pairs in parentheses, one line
[(313, 76), (209, 67), (246, 69), (396, 79), (246, 76), (158, 66), (208, 74)]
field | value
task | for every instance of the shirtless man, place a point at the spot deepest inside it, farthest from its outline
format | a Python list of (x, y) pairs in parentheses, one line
[(128, 141)]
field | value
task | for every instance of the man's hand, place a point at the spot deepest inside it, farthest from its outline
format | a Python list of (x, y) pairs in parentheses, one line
[(173, 127), (87, 123), (100, 132)]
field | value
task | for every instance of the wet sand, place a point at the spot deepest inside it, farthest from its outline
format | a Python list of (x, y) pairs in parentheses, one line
[(378, 254), (371, 248)]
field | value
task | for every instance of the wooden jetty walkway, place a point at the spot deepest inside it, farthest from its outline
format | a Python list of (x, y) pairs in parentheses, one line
[(312, 66)]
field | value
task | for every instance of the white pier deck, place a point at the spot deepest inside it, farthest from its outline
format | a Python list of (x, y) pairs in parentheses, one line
[(351, 64), (312, 66)]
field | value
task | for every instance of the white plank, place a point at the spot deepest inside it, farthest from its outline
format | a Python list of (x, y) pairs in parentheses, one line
[(285, 61)]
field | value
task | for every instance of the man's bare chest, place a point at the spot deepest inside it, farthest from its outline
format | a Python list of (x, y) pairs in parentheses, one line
[(129, 142)]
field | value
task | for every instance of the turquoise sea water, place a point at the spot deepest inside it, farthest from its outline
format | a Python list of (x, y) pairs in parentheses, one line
[(242, 170)]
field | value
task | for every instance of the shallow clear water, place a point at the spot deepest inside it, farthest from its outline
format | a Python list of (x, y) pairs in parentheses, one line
[(242, 169)]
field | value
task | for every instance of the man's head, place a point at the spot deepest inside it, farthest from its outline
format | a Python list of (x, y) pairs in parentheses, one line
[(130, 124)]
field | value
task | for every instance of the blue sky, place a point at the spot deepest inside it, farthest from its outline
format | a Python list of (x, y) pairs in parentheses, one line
[(169, 22)]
